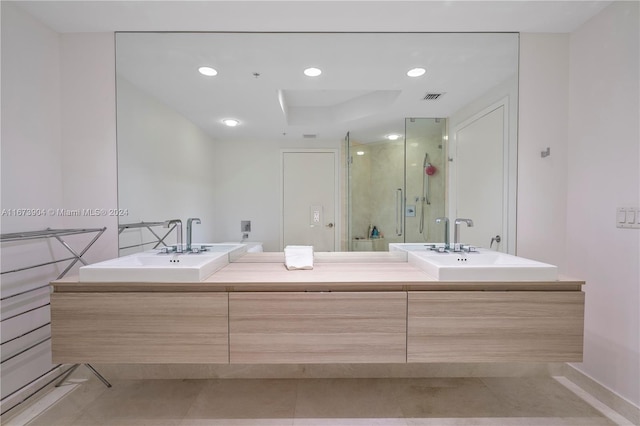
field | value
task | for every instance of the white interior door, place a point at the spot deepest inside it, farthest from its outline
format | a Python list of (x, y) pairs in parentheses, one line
[(309, 199), (480, 179)]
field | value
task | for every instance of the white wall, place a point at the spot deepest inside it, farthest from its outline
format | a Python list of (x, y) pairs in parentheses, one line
[(604, 173), (248, 187), (542, 182), (166, 168), (31, 128), (31, 179), (89, 167), (579, 96), (58, 152)]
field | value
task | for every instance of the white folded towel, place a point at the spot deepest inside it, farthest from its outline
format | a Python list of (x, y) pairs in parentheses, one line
[(298, 257)]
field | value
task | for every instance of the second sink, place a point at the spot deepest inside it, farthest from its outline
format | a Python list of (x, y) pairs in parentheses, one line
[(483, 265)]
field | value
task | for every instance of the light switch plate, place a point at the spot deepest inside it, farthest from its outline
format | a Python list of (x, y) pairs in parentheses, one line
[(628, 217)]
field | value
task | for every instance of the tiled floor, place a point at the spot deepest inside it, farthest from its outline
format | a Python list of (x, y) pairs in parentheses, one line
[(534, 401)]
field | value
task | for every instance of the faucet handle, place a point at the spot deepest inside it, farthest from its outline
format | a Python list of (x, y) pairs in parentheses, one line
[(460, 220)]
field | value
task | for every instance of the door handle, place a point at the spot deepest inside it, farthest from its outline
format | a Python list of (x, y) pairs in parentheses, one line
[(330, 225), (496, 239), (399, 212)]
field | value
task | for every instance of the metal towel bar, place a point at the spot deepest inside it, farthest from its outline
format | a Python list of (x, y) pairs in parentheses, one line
[(76, 257)]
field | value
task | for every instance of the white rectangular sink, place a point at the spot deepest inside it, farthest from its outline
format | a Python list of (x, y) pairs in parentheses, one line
[(483, 265), (156, 267)]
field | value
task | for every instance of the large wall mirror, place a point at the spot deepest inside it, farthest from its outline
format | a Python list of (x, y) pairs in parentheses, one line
[(317, 149)]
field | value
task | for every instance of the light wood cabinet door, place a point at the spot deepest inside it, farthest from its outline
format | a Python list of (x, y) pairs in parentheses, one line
[(365, 327), (139, 327), (495, 326)]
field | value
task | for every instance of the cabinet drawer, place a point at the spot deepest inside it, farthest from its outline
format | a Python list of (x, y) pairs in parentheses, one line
[(495, 326), (367, 327), (139, 327)]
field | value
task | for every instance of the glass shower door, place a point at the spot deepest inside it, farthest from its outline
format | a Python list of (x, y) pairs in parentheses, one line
[(397, 187), (426, 178), (376, 192)]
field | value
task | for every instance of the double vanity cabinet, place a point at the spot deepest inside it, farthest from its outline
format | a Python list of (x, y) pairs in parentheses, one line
[(350, 308)]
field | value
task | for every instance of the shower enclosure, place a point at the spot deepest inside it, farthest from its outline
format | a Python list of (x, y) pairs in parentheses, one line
[(397, 188)]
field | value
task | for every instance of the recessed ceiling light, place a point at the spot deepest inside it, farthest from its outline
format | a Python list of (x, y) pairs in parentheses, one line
[(416, 72), (393, 137), (312, 72), (208, 71), (360, 152), (231, 122)]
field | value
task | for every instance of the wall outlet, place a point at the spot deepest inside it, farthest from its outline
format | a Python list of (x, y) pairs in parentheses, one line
[(315, 215), (245, 226)]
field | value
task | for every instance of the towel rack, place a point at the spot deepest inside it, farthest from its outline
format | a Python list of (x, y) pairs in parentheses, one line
[(57, 234), (148, 225), (76, 256)]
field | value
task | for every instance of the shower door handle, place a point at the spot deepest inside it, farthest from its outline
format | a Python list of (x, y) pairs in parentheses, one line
[(399, 212)]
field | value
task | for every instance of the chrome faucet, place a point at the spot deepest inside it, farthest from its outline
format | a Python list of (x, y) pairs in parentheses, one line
[(178, 224), (446, 229), (456, 229), (190, 230)]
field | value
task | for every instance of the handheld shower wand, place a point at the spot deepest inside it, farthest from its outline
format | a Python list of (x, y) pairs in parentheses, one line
[(428, 170)]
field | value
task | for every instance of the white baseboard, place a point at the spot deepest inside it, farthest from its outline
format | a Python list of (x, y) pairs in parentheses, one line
[(603, 394), (12, 403)]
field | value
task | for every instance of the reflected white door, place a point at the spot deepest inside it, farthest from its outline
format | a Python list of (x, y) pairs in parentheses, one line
[(309, 199), (480, 179)]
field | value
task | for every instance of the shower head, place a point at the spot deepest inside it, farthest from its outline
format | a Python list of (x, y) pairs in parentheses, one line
[(427, 167)]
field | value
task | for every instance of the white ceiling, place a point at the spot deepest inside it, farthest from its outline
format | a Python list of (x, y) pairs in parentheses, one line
[(281, 102), (363, 89), (328, 15)]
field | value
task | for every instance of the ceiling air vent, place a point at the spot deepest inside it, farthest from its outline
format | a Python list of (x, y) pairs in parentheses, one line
[(432, 96), (309, 136)]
